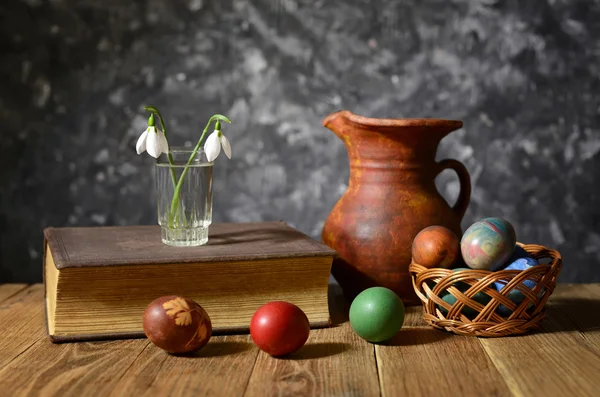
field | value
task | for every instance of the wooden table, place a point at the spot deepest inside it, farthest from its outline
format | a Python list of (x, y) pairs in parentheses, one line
[(560, 359)]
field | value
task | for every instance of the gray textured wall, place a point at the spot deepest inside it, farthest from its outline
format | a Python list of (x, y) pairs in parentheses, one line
[(523, 76)]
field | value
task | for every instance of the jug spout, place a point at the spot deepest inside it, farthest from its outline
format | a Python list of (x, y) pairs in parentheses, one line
[(335, 122)]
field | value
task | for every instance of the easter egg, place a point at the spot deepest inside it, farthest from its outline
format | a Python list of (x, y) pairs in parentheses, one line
[(480, 297), (515, 295), (279, 328), (377, 314), (487, 244), (520, 264), (435, 246), (177, 324)]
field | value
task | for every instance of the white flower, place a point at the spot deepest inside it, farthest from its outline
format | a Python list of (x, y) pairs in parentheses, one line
[(212, 146), (153, 141)]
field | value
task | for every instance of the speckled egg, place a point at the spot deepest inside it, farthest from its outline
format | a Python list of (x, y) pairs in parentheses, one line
[(177, 324), (516, 295), (377, 314), (435, 246), (487, 244)]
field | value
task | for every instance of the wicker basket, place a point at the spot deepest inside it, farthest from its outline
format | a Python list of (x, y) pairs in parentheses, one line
[(484, 320)]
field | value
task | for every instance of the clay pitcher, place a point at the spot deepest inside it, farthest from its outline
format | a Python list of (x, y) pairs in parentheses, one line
[(391, 197)]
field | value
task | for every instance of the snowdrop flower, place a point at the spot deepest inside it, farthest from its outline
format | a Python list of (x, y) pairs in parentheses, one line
[(152, 141), (212, 146)]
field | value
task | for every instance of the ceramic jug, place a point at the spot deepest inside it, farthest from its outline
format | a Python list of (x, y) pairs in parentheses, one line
[(391, 197)]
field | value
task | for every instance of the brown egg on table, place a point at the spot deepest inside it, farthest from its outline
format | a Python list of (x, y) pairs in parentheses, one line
[(177, 324), (435, 246)]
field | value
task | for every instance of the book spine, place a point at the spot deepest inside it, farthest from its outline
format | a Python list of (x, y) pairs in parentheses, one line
[(45, 285)]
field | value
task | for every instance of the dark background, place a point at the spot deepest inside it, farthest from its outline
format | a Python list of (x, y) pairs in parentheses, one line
[(523, 76)]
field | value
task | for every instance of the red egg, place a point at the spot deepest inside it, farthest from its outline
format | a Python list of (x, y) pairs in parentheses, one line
[(177, 324), (436, 246), (279, 328)]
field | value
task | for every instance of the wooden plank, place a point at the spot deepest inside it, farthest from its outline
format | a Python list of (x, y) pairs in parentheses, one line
[(222, 368), (413, 317), (581, 304), (555, 360), (22, 322), (423, 361), (8, 290), (70, 369), (334, 361), (31, 364)]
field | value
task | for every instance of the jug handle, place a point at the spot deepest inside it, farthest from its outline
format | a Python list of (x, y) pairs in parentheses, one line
[(462, 202)]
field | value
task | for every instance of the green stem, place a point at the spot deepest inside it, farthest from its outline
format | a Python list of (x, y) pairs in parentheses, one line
[(177, 192)]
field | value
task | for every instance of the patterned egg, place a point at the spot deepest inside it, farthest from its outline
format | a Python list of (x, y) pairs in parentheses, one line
[(515, 295), (177, 324), (435, 246), (487, 244)]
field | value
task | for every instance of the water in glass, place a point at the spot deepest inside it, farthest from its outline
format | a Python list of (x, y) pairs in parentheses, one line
[(184, 221)]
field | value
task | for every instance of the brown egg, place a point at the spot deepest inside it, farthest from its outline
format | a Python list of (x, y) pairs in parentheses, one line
[(177, 324), (435, 246)]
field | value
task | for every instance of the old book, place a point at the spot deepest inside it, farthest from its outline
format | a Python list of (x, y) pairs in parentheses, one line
[(99, 280)]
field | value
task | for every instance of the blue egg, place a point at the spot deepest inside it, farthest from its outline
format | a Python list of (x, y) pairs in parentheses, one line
[(516, 295), (520, 264)]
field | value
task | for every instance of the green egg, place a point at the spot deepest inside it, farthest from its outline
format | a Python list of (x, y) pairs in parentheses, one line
[(377, 314), (448, 298), (480, 297)]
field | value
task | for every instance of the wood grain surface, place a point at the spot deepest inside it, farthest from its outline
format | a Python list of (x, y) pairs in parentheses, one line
[(581, 304), (450, 365), (76, 369), (8, 290), (223, 367), (334, 361), (22, 322), (562, 358)]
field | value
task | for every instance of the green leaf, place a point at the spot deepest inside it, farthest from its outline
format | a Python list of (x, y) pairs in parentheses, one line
[(220, 117), (151, 109)]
